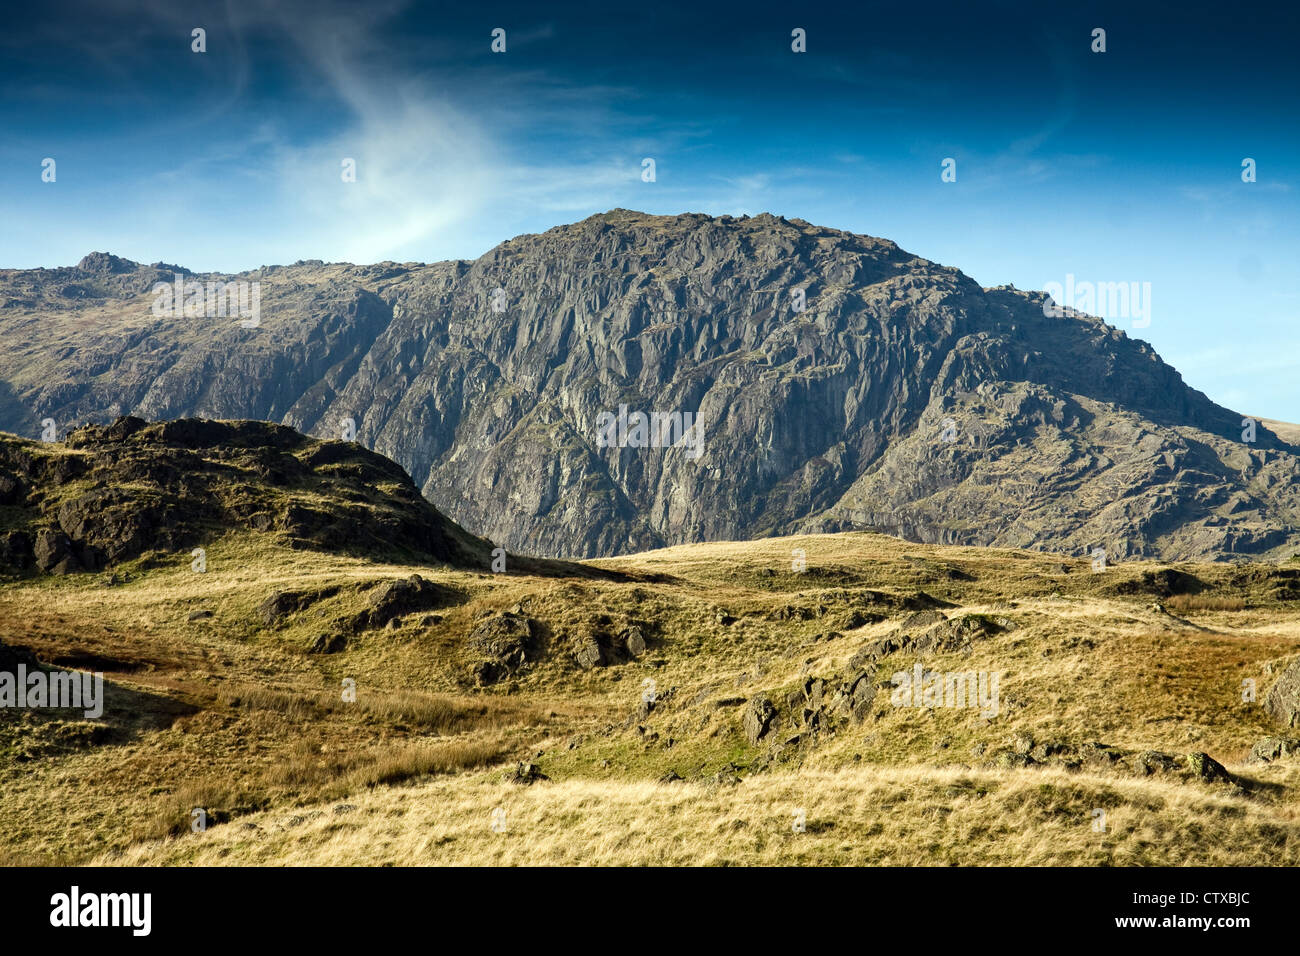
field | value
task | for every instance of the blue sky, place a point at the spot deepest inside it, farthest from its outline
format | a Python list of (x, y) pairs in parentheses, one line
[(1123, 166)]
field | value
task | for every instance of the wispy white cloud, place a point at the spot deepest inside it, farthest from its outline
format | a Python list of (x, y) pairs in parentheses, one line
[(447, 154)]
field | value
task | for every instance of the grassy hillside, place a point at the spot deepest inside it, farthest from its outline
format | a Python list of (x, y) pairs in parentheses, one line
[(225, 692)]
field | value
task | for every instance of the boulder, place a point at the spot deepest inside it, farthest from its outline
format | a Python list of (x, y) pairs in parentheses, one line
[(506, 642), (758, 719), (525, 774), (283, 603), (861, 696), (1283, 699), (405, 596), (590, 655), (1009, 760), (634, 641), (1154, 761), (327, 644), (813, 689), (956, 634), (68, 565), (1273, 748), (920, 621), (1204, 767), (53, 551)]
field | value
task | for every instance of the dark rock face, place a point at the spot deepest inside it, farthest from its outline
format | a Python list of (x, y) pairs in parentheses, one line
[(16, 550), (109, 494), (11, 492), (1065, 434), (105, 263), (929, 632)]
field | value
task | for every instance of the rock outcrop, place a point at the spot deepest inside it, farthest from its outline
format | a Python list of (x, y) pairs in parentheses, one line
[(505, 643), (1283, 699), (115, 493)]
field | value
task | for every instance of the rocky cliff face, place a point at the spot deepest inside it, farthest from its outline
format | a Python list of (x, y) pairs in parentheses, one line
[(834, 382)]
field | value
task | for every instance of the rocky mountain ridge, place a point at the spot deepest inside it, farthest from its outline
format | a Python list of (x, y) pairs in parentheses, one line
[(838, 383)]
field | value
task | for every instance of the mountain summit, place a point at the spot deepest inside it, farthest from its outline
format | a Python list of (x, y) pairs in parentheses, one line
[(630, 381)]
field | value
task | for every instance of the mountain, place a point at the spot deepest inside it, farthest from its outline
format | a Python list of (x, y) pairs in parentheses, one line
[(902, 397)]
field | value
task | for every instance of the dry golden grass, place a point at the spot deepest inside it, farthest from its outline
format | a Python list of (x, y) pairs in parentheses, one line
[(1183, 603), (233, 716), (877, 816), (325, 776)]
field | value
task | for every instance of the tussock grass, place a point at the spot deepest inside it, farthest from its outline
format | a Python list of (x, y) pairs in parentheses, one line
[(895, 816), (1183, 603), (306, 774), (444, 713)]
